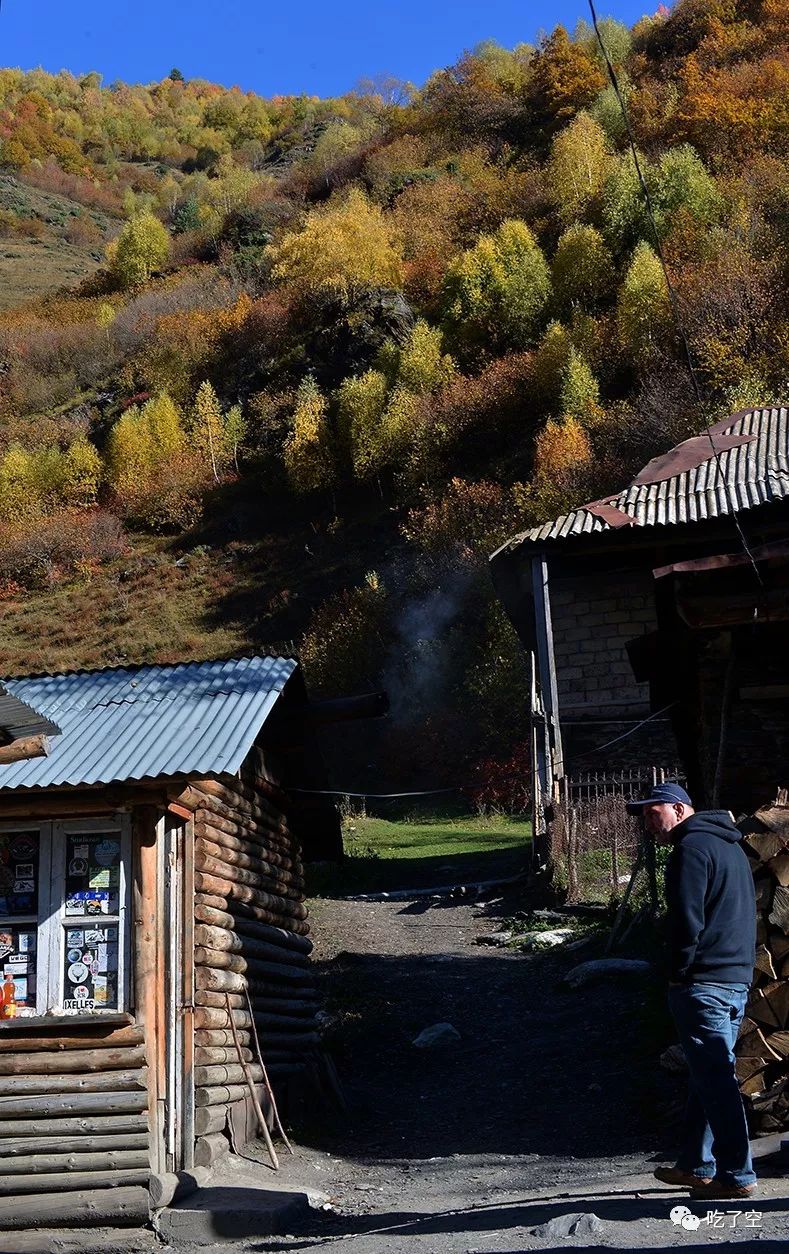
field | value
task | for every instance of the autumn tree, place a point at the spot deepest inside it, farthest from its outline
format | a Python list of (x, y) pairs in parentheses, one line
[(495, 292), (583, 268), (341, 249), (562, 460), (142, 247), (207, 428), (308, 451), (82, 472), (643, 308), (361, 401), (564, 80), (581, 161)]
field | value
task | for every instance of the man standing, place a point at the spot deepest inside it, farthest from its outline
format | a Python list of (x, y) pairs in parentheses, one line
[(712, 948)]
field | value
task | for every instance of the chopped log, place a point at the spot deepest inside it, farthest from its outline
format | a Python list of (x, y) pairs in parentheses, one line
[(235, 941), (119, 1125), (779, 1044), (79, 1145), (763, 886), (753, 1085), (765, 844), (207, 999), (778, 945), (776, 819), (777, 994), (779, 915), (208, 1054), (779, 866), (118, 1038), (747, 1067), (71, 1060), (219, 1095), (245, 910), (23, 748), (278, 906), (211, 1149), (243, 839), (238, 922), (256, 861), (91, 1208), (112, 1081), (68, 1163), (755, 1045), (206, 1077), (219, 981), (166, 1188), (224, 805), (265, 880), (761, 1011), (761, 929), (219, 1038), (219, 959), (56, 1181), (60, 1104), (210, 1119), (764, 962), (210, 1017)]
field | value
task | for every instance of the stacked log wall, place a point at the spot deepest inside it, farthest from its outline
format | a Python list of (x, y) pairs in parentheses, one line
[(762, 1049), (74, 1136), (251, 946)]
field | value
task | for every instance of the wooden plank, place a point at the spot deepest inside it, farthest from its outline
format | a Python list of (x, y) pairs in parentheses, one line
[(76, 1162), (60, 1104), (100, 1082), (92, 1207), (57, 1182), (119, 1125), (118, 1038), (23, 748), (72, 1060), (45, 1145)]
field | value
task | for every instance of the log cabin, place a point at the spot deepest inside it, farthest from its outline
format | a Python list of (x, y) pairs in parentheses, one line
[(153, 929)]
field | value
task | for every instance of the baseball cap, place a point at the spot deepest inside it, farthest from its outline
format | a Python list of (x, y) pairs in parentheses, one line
[(661, 794)]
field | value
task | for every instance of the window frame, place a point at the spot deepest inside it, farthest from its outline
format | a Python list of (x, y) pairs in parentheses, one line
[(52, 921)]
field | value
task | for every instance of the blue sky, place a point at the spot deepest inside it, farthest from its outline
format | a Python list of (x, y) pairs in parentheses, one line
[(318, 46)]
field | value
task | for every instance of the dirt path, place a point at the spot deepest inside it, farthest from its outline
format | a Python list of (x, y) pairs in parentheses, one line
[(547, 1106)]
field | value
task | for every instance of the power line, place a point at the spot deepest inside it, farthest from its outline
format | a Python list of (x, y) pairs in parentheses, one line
[(670, 286)]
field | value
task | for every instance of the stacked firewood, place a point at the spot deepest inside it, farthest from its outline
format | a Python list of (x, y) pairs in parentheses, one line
[(251, 947), (763, 1044)]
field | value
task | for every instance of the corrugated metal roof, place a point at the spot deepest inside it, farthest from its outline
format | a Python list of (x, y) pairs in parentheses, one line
[(743, 477), (18, 719), (147, 721)]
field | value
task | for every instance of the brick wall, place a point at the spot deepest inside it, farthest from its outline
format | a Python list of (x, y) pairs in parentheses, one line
[(593, 617)]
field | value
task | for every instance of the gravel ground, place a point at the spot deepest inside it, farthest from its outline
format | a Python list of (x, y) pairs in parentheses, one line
[(550, 1106)]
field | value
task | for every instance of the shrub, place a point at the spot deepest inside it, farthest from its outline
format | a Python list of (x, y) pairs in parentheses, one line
[(502, 785), (39, 553)]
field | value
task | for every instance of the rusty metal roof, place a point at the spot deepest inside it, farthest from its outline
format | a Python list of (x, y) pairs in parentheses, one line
[(702, 486), (148, 721)]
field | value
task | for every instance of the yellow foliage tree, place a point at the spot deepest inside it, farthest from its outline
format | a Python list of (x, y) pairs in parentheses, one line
[(82, 472), (19, 498), (208, 431), (361, 400), (342, 249), (643, 312), (142, 247), (581, 161), (562, 460), (308, 452), (423, 366)]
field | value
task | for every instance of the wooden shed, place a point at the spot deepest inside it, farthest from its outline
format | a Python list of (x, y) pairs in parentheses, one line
[(152, 917)]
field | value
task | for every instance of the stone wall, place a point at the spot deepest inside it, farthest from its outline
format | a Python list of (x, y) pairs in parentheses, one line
[(593, 618)]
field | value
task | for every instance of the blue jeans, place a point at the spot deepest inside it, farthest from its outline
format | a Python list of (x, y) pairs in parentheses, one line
[(715, 1134)]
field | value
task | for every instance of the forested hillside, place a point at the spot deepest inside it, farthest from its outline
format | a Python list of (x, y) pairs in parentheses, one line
[(287, 370)]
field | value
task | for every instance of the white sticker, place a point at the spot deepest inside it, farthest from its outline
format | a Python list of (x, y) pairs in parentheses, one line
[(77, 972)]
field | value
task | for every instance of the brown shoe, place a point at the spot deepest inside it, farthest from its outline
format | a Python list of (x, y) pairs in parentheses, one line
[(719, 1189), (680, 1179)]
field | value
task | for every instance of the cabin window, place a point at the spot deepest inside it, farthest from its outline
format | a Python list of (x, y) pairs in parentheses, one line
[(63, 915)]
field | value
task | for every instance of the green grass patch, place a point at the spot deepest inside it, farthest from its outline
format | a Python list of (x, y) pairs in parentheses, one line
[(384, 855)]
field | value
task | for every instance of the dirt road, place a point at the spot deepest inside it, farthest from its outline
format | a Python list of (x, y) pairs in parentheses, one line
[(550, 1105)]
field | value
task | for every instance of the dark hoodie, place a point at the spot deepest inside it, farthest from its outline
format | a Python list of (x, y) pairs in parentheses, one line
[(711, 903)]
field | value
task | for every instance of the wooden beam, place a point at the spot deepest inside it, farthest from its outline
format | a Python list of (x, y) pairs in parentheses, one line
[(25, 747)]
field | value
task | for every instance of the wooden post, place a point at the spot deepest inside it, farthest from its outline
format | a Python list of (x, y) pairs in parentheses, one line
[(26, 747), (146, 972)]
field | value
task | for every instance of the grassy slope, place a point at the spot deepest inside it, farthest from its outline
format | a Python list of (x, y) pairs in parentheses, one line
[(30, 267), (385, 855)]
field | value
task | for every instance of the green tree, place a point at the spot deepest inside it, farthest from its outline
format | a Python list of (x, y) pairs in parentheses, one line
[(580, 394), (142, 247), (643, 311), (681, 183), (235, 431), (581, 161), (20, 500), (583, 268), (308, 450), (130, 455), (496, 291)]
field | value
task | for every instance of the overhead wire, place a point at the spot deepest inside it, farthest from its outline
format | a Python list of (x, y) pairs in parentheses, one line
[(670, 286)]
